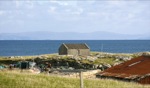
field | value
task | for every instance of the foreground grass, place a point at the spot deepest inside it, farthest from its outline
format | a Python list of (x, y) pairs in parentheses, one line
[(12, 79)]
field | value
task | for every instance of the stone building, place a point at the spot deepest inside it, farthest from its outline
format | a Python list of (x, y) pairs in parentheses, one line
[(74, 49)]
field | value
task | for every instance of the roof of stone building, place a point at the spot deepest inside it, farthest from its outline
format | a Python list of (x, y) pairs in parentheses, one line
[(76, 46)]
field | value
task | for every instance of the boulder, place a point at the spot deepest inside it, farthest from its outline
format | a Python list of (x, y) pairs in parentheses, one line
[(146, 54)]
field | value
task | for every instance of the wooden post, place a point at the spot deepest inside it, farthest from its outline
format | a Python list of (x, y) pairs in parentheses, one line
[(81, 80)]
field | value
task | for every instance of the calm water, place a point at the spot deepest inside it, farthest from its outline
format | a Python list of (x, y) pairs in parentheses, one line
[(37, 47)]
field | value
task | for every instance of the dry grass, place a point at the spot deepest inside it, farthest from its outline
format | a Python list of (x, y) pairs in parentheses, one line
[(15, 79)]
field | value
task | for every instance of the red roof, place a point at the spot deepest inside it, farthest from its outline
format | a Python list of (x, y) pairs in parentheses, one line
[(136, 67)]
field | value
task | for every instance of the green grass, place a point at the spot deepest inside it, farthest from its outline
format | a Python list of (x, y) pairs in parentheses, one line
[(11, 79), (105, 61)]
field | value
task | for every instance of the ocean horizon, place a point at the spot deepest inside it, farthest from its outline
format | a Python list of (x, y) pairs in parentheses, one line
[(38, 47)]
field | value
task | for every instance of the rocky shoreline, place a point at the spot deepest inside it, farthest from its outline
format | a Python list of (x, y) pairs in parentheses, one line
[(69, 66)]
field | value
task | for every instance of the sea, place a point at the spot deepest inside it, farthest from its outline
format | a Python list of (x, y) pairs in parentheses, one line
[(38, 47)]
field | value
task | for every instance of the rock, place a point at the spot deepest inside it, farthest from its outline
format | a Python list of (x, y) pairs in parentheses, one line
[(12, 57), (63, 67), (146, 54), (95, 66), (71, 68), (93, 58), (55, 72), (100, 67), (124, 58), (105, 66), (117, 60), (117, 63)]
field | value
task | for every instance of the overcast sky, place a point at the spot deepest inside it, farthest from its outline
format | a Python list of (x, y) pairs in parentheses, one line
[(119, 16)]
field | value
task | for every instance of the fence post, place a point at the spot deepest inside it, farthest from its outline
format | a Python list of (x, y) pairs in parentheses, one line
[(81, 80)]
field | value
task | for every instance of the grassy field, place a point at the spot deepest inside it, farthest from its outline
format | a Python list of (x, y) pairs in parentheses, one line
[(13, 79)]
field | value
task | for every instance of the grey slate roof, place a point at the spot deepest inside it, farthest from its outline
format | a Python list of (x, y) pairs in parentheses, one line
[(76, 46)]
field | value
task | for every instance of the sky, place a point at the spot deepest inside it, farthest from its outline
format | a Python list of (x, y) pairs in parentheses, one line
[(83, 16)]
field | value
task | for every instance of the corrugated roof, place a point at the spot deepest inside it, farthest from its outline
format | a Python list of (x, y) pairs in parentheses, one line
[(134, 68), (76, 46)]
